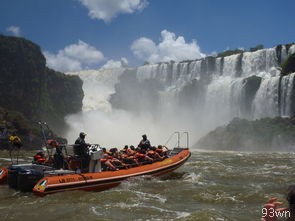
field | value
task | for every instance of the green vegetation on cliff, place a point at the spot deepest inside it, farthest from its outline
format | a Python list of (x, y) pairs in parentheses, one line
[(29, 132), (256, 48), (33, 90), (229, 52), (270, 134)]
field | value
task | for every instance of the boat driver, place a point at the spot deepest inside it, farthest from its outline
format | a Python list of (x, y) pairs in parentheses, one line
[(81, 150)]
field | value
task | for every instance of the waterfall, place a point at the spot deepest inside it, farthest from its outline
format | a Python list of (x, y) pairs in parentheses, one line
[(287, 90), (224, 80), (266, 100), (97, 87), (194, 96)]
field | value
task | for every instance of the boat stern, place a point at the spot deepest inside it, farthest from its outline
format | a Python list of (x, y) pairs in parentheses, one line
[(40, 187)]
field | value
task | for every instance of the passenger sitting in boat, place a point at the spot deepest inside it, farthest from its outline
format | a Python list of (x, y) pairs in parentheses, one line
[(271, 212), (142, 157), (127, 156), (39, 158), (124, 150), (106, 161), (81, 150), (114, 153), (131, 151), (161, 151), (152, 153), (116, 159), (52, 143), (114, 150), (144, 144)]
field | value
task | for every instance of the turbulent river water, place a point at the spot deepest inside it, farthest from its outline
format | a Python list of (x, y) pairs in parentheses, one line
[(210, 186)]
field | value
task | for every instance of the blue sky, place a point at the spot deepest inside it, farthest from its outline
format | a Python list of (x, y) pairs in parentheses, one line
[(85, 34)]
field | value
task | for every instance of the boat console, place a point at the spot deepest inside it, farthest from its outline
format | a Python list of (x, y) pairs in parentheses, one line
[(95, 153)]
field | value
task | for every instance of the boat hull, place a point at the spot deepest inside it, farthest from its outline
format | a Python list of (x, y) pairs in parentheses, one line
[(108, 179), (3, 175)]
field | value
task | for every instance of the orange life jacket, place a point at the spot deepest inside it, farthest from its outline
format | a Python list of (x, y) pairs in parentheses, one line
[(140, 155), (103, 160)]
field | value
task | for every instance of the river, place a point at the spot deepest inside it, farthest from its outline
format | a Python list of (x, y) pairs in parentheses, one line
[(210, 186)]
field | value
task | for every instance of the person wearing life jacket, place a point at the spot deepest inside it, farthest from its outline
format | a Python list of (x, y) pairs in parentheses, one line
[(162, 150), (139, 155), (142, 157), (116, 159), (271, 211), (15, 140), (152, 153), (131, 151), (114, 151), (39, 158), (106, 161), (124, 150), (127, 156), (144, 144), (52, 143)]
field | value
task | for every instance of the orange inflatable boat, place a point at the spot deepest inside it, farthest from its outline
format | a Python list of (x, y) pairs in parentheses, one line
[(3, 175), (107, 179)]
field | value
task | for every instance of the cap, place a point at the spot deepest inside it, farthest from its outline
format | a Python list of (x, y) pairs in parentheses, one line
[(82, 133)]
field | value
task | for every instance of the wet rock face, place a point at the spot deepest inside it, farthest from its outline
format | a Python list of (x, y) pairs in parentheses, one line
[(288, 66), (251, 85), (134, 95), (28, 86), (271, 134)]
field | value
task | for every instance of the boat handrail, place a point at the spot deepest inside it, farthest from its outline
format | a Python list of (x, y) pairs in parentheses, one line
[(179, 136), (187, 139)]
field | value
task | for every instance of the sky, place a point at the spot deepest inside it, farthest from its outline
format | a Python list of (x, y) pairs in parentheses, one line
[(77, 35)]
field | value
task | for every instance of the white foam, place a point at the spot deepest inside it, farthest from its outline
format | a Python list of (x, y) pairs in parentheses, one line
[(149, 196)]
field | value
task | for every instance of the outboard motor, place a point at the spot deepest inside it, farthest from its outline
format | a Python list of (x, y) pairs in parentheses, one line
[(13, 174), (23, 176), (27, 179), (95, 153)]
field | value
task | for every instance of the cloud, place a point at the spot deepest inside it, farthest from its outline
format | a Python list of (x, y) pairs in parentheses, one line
[(14, 30), (144, 48), (74, 57), (170, 48), (106, 10), (115, 64)]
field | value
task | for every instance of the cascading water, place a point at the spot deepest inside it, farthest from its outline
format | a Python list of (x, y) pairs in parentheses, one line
[(266, 100), (195, 96), (287, 91), (97, 87)]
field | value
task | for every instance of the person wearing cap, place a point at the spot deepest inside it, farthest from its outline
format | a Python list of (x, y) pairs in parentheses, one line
[(144, 144), (81, 149)]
